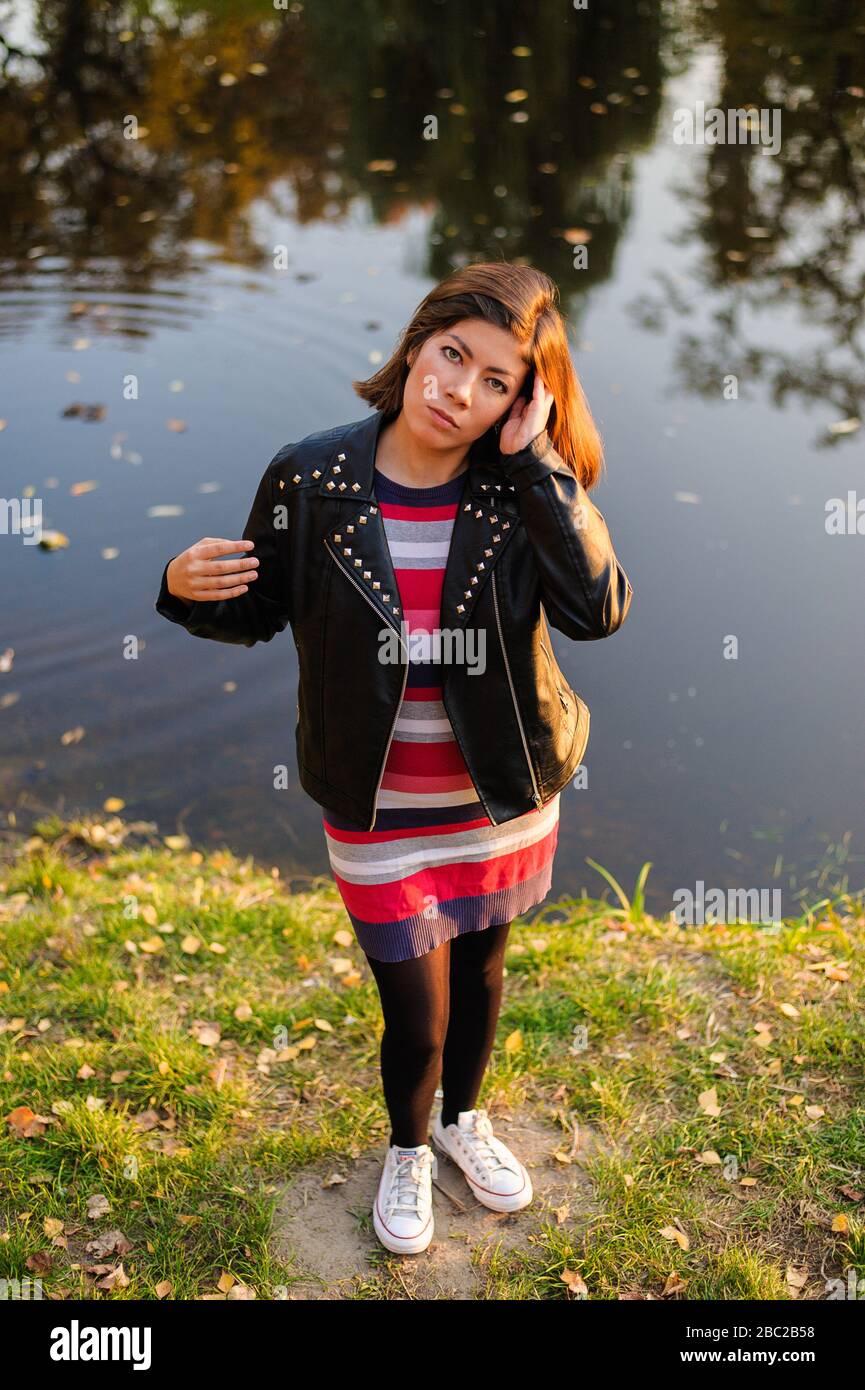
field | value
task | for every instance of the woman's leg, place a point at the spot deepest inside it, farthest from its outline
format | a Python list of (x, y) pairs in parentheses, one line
[(414, 1002), (476, 982)]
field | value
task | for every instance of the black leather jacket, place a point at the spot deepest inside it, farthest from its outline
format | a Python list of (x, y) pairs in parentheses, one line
[(525, 534)]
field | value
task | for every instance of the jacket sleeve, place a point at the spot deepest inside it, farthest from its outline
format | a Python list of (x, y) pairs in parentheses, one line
[(265, 608), (585, 592)]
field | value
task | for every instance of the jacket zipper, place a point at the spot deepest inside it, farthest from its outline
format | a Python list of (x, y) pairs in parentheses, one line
[(537, 795), (404, 680)]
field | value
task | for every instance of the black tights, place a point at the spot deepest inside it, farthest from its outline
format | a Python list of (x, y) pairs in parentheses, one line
[(440, 1013)]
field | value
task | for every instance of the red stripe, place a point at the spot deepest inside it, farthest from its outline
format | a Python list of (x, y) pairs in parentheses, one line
[(388, 902)]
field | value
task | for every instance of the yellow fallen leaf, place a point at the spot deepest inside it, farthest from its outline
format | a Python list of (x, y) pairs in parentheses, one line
[(840, 1223), (323, 1024), (152, 945), (225, 1282), (789, 1010), (708, 1102), (189, 945), (343, 938), (747, 1182), (575, 1283), (673, 1233), (708, 1156), (175, 841), (814, 1112), (113, 803), (514, 1041)]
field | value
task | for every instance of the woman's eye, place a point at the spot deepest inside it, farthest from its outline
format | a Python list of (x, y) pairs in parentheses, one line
[(501, 384), (448, 348)]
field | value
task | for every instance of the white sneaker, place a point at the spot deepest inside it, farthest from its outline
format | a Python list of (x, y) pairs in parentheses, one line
[(495, 1175), (403, 1215)]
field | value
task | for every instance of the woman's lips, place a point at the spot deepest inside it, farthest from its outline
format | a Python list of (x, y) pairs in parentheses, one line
[(443, 419)]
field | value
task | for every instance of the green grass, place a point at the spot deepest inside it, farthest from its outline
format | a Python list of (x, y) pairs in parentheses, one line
[(189, 1136)]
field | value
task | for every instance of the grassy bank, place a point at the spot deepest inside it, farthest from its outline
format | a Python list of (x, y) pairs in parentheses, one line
[(182, 1038)]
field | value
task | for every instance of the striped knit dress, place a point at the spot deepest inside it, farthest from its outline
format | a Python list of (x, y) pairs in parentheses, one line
[(434, 865)]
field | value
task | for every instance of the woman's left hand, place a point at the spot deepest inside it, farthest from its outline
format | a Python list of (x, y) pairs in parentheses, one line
[(526, 419)]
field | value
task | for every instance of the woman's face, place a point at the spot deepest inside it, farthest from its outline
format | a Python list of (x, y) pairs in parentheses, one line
[(471, 374)]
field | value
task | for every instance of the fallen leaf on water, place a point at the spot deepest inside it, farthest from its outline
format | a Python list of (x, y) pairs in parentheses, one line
[(178, 426), (53, 540)]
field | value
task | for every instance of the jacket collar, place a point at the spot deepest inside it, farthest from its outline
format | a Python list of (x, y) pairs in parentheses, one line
[(486, 519), (350, 470)]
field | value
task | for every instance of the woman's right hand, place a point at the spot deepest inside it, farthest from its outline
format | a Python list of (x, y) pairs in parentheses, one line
[(197, 575)]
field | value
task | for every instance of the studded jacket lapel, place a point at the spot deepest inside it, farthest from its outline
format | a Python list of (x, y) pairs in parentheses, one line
[(487, 517)]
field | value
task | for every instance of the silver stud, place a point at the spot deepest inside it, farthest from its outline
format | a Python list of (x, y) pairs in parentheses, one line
[(488, 552), (367, 574), (346, 550), (282, 482), (467, 594), (461, 608), (331, 484), (511, 486), (342, 487), (466, 508), (506, 526), (478, 513), (484, 486), (349, 527), (474, 579), (336, 467), (493, 519), (496, 540), (373, 510), (338, 538), (340, 457), (481, 565), (362, 520), (386, 598), (296, 478), (358, 562), (395, 610), (376, 584), (499, 487), (316, 472), (355, 487)]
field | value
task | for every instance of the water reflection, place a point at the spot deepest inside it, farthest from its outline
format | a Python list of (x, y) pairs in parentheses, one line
[(217, 217)]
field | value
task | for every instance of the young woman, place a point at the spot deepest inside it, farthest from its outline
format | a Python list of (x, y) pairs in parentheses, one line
[(417, 556)]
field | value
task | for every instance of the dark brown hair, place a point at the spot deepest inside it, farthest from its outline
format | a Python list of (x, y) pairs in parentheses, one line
[(523, 300)]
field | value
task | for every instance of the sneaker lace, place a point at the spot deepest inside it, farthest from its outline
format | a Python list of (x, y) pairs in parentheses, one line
[(405, 1188), (480, 1136)]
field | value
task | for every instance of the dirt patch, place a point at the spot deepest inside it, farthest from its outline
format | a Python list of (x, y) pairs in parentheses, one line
[(326, 1233)]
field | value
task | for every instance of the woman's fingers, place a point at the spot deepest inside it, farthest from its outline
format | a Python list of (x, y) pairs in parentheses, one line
[(213, 578)]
